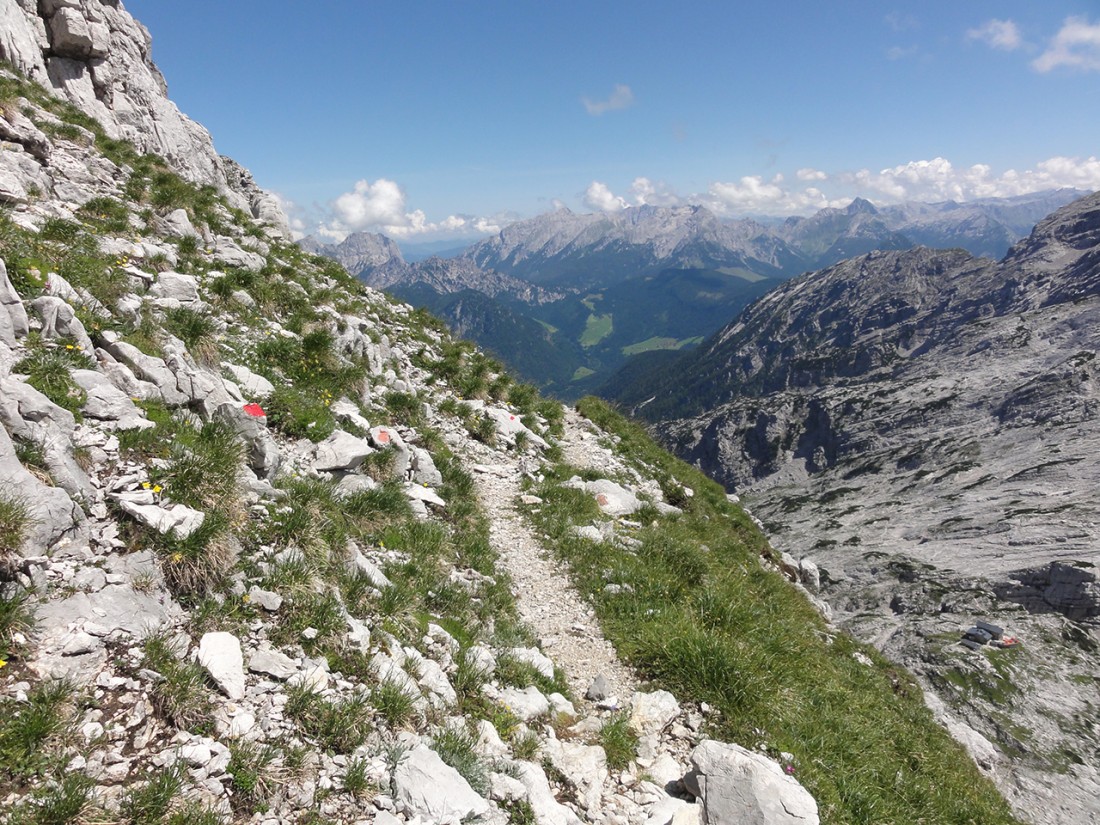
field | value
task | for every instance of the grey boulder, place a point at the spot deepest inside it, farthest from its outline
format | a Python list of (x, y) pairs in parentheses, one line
[(613, 499), (427, 786), (739, 787), (107, 402), (60, 321), (341, 451)]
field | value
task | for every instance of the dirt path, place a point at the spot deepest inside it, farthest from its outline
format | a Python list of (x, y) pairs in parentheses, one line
[(564, 622)]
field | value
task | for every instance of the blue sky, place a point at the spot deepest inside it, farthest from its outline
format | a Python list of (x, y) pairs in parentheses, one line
[(436, 118)]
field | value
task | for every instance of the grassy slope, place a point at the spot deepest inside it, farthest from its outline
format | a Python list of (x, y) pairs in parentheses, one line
[(707, 621)]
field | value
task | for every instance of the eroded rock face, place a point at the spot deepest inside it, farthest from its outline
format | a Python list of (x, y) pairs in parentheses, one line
[(954, 396), (97, 56), (1069, 589)]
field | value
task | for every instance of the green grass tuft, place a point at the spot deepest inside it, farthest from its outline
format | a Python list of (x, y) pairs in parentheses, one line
[(149, 803), (32, 733), (619, 742), (15, 521), (339, 726), (182, 697)]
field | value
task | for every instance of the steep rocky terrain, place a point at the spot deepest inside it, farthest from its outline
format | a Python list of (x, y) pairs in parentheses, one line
[(96, 56), (923, 425), (275, 548)]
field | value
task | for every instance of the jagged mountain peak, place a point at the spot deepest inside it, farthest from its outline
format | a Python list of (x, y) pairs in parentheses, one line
[(861, 206)]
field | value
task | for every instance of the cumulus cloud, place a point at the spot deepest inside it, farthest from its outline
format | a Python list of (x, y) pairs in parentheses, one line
[(656, 193), (997, 34), (1076, 46), (753, 195), (901, 22), (939, 179), (599, 197), (621, 98), (381, 207), (936, 179)]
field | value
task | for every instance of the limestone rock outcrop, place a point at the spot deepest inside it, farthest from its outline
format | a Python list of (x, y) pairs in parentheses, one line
[(97, 56)]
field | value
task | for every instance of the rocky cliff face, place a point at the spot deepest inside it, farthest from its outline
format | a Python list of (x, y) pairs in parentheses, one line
[(95, 55), (940, 408)]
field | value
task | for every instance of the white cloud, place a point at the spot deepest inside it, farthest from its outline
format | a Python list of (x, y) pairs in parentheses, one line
[(1076, 46), (621, 98), (931, 180), (938, 179), (998, 34), (646, 191), (753, 195), (597, 196), (381, 207), (367, 205), (901, 22)]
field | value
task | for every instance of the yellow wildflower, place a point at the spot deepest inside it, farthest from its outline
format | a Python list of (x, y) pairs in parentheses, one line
[(145, 485), (176, 558), (157, 488)]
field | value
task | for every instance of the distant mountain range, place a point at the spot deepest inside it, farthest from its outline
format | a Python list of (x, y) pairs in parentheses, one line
[(567, 299)]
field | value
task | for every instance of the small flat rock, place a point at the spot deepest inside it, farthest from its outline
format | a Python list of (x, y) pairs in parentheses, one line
[(241, 725), (527, 704), (341, 451), (418, 492), (265, 598), (220, 654), (271, 662), (165, 519), (599, 689)]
